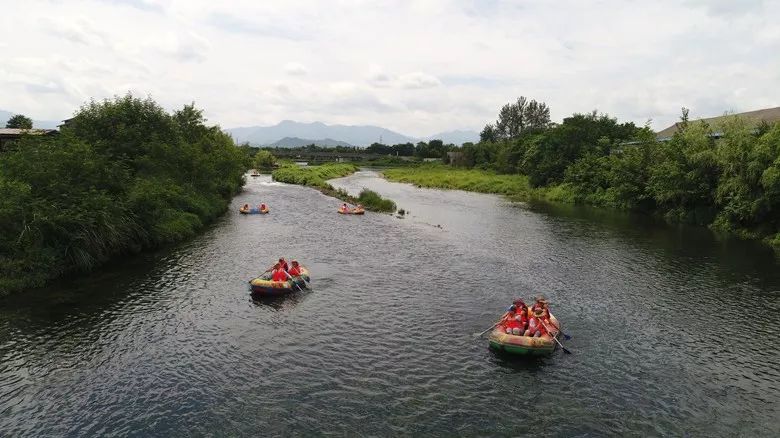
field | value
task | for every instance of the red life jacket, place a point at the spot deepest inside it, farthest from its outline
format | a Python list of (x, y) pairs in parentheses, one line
[(295, 271), (278, 275)]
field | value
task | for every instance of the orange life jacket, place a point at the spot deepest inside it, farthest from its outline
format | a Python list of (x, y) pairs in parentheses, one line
[(278, 275), (295, 271)]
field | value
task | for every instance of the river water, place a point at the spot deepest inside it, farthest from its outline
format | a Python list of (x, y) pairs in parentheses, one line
[(674, 332)]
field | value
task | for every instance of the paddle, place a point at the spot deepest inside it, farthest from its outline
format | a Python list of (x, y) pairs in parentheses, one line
[(554, 338), (476, 335), (565, 336)]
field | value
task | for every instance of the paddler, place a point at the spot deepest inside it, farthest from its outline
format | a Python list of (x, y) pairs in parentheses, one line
[(279, 273), (295, 271), (283, 264), (262, 207), (536, 324), (510, 322)]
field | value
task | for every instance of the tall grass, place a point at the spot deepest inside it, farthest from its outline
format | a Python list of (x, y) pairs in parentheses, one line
[(317, 176), (445, 177)]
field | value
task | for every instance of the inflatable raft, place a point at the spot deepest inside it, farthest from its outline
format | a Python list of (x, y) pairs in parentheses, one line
[(254, 211), (353, 211), (263, 286), (524, 345)]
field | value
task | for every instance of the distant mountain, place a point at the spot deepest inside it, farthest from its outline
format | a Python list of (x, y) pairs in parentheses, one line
[(295, 142), (355, 135), (42, 124), (457, 137)]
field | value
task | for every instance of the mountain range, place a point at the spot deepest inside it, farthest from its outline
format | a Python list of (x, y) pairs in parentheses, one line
[(319, 133), (296, 142), (294, 134)]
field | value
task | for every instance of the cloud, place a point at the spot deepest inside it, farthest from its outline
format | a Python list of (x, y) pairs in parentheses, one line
[(417, 80), (418, 67), (295, 69), (259, 26), (144, 5), (79, 30)]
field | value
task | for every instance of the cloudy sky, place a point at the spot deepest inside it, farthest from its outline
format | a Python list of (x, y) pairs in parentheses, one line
[(418, 67)]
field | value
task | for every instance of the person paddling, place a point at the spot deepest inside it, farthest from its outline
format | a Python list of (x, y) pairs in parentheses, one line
[(295, 271), (536, 327), (263, 207), (279, 273), (283, 264)]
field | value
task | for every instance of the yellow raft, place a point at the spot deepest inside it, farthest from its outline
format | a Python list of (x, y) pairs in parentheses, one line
[(265, 287), (525, 345)]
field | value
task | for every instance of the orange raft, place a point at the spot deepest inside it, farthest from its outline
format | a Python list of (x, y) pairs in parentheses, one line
[(525, 345), (353, 211)]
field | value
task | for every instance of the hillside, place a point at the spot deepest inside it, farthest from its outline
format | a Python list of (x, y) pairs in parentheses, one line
[(353, 135), (295, 142)]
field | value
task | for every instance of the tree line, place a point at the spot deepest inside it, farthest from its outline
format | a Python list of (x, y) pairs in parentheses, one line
[(725, 176), (122, 176)]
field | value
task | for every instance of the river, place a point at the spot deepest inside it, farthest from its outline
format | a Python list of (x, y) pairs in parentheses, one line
[(674, 331)]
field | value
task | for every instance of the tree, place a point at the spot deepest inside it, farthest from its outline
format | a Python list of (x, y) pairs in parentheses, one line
[(517, 118), (488, 133), (263, 160), (19, 121)]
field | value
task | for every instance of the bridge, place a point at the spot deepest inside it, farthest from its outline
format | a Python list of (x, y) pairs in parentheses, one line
[(326, 156)]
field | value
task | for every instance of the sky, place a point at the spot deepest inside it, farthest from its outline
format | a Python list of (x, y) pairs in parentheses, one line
[(417, 67)]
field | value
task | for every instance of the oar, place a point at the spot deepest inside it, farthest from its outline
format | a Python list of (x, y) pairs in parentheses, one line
[(554, 338), (476, 335), (565, 336)]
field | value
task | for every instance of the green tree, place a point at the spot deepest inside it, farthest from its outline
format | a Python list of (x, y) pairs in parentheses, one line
[(263, 160), (515, 119), (19, 121)]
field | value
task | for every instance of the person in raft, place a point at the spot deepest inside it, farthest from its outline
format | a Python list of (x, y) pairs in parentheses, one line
[(295, 271), (344, 207), (515, 321), (283, 264), (537, 324), (541, 303), (245, 207), (262, 207), (279, 273)]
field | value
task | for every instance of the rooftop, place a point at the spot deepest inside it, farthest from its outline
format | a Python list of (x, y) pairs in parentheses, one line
[(769, 115)]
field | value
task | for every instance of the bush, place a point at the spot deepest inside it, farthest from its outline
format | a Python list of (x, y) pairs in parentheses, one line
[(124, 176)]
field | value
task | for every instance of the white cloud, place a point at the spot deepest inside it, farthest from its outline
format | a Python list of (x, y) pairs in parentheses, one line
[(418, 79), (295, 69), (418, 67)]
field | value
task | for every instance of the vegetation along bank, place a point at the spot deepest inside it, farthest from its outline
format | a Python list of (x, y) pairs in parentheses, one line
[(725, 176), (317, 176), (122, 176)]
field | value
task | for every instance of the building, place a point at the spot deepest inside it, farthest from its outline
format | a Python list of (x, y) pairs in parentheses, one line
[(768, 115), (7, 135)]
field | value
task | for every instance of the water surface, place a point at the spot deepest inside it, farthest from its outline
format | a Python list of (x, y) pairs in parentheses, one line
[(674, 331)]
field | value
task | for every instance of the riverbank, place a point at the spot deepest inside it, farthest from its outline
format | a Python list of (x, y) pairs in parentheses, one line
[(517, 187), (317, 176), (94, 193)]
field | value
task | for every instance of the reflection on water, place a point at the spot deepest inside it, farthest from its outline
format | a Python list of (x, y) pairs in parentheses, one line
[(673, 328)]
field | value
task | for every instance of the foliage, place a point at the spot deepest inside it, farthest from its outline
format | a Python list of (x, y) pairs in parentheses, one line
[(373, 201), (726, 176), (317, 176), (126, 176), (516, 119), (313, 176), (19, 121), (263, 160), (443, 177)]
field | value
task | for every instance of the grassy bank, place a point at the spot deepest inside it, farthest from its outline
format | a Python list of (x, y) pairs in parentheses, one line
[(444, 177), (317, 176)]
